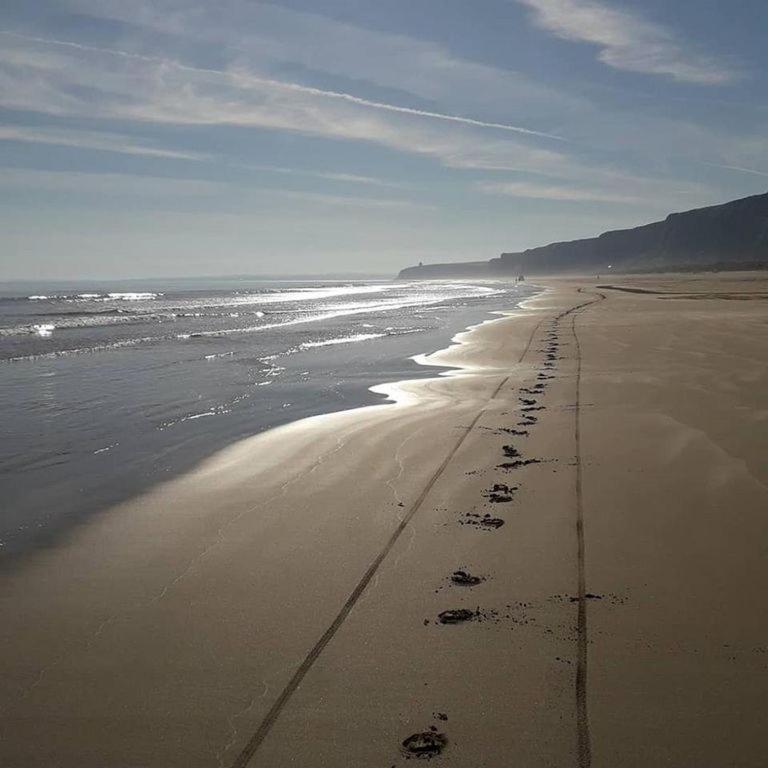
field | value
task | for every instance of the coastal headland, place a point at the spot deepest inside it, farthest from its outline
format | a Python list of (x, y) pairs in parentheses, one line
[(552, 556), (730, 236)]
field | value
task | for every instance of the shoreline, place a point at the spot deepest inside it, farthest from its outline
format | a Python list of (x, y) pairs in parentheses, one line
[(101, 467), (133, 564), (403, 394), (294, 601)]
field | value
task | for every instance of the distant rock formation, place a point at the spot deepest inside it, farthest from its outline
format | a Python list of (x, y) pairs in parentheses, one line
[(459, 269), (729, 236)]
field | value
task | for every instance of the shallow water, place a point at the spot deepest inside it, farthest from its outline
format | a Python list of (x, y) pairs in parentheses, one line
[(107, 389)]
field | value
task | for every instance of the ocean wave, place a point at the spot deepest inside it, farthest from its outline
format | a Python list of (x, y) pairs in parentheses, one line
[(92, 315), (81, 312), (111, 296), (318, 317), (53, 354), (39, 329), (76, 321), (129, 296)]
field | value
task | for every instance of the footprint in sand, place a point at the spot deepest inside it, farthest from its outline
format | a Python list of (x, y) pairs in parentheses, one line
[(507, 431), (518, 463), (485, 522), (457, 616), (462, 615), (464, 579), (424, 745), (500, 493)]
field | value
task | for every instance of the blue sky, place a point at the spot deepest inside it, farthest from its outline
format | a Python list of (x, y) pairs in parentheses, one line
[(173, 137)]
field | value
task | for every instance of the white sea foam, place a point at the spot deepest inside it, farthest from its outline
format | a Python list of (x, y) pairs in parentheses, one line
[(314, 318), (217, 355), (133, 296), (107, 448), (115, 296), (218, 410), (317, 294), (44, 330), (342, 340), (199, 415)]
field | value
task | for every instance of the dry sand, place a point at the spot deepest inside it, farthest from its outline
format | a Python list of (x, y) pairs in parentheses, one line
[(281, 605)]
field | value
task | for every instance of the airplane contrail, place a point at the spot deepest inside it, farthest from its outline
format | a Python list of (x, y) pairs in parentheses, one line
[(293, 87), (739, 168)]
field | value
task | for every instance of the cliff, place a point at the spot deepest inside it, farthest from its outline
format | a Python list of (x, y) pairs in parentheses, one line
[(729, 236)]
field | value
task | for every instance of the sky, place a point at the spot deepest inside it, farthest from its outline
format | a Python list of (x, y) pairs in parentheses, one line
[(184, 138)]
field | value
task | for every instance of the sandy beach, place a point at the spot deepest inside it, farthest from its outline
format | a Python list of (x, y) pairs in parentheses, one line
[(553, 556)]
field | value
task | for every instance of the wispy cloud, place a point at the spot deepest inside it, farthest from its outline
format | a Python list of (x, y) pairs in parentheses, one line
[(344, 201), (627, 41), (350, 178), (267, 37), (525, 189), (606, 186), (142, 186), (251, 80), (237, 195), (66, 78), (106, 142)]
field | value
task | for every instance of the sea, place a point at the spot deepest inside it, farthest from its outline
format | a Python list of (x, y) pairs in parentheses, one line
[(107, 389)]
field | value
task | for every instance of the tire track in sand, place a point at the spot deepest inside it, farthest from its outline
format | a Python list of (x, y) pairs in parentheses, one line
[(583, 738), (250, 749)]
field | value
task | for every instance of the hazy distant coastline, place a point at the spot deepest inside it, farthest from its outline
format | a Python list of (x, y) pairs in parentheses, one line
[(732, 236)]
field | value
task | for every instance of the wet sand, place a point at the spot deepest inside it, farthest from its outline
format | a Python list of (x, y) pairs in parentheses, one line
[(553, 557)]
